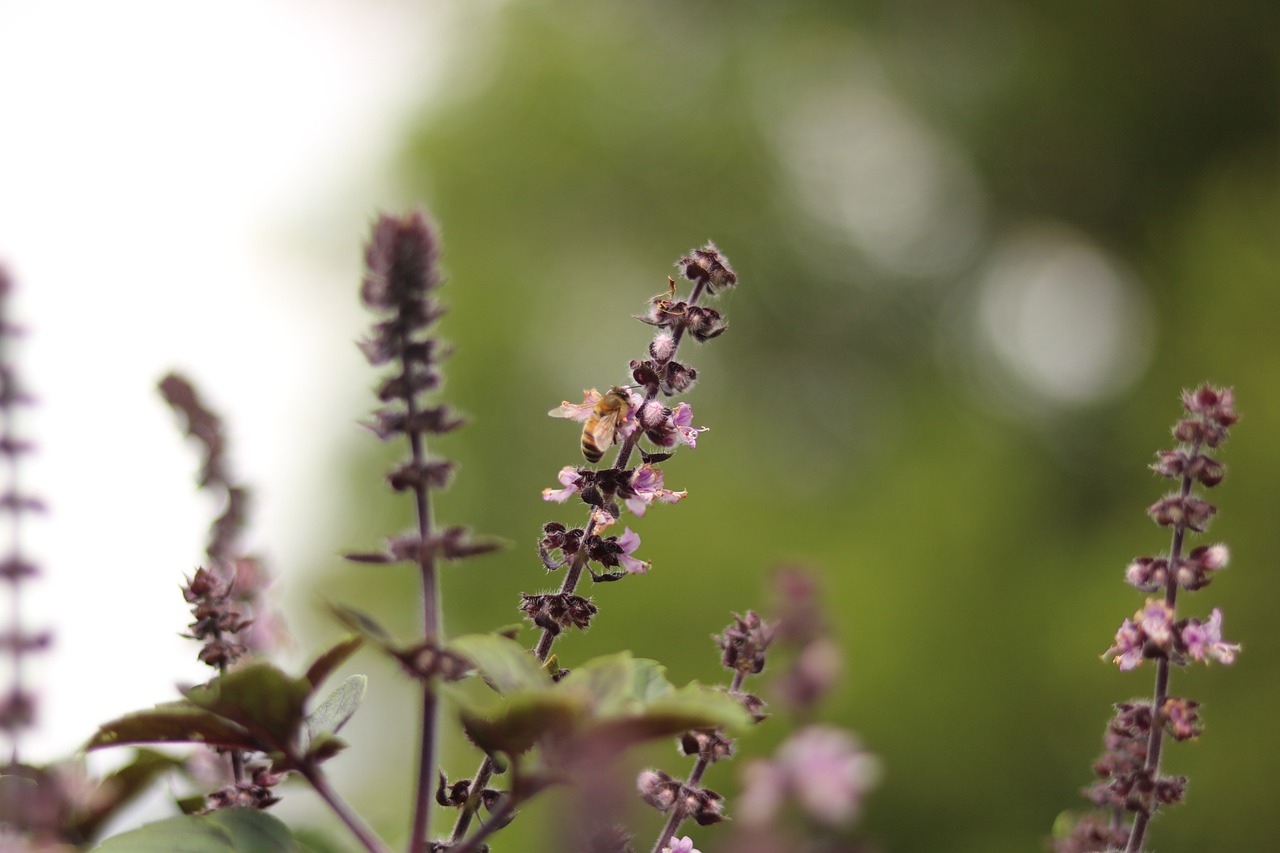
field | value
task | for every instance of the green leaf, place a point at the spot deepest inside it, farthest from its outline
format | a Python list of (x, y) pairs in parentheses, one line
[(691, 707), (261, 698), (333, 713), (191, 804), (521, 720), (706, 705), (175, 722), (324, 747), (505, 664), (618, 683), (226, 831), (315, 841), (324, 665), (118, 789)]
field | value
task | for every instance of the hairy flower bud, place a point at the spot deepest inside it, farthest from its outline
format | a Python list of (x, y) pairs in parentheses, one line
[(743, 643)]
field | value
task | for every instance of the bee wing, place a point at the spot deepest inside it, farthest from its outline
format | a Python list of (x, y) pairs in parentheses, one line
[(577, 411), (605, 430)]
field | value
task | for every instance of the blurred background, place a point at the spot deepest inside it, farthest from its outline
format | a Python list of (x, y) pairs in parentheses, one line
[(981, 250)]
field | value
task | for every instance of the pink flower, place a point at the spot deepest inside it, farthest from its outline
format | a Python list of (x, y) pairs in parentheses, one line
[(823, 767), (601, 519), (629, 541), (1156, 620), (675, 427), (568, 478), (680, 845), (1204, 640), (1127, 649), (681, 419), (647, 483)]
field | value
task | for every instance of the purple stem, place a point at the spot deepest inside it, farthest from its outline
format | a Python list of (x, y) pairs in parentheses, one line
[(1155, 739), (432, 629), (700, 766)]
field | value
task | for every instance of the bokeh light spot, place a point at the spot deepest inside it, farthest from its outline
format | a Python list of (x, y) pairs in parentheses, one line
[(1061, 319)]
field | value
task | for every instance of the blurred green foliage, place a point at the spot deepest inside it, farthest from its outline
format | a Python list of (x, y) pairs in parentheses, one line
[(971, 533)]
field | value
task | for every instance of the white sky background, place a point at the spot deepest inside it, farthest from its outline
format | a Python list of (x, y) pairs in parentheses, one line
[(167, 173)]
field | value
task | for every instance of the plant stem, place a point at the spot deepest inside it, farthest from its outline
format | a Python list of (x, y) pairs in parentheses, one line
[(1155, 739), (497, 821), (571, 578), (541, 651), (369, 840), (431, 629), (695, 776)]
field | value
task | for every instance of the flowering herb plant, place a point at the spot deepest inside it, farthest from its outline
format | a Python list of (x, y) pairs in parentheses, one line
[(541, 719)]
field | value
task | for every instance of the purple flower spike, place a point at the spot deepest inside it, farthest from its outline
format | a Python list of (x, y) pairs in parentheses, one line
[(1129, 778)]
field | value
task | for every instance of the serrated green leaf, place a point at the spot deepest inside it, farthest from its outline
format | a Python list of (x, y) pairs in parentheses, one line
[(505, 664), (227, 831), (619, 684), (175, 722), (333, 713), (261, 698)]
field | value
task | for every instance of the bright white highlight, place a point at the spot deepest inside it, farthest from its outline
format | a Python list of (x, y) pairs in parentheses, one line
[(1061, 319)]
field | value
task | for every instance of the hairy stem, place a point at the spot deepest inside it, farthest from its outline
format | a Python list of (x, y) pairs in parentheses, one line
[(432, 630), (700, 766), (1155, 739), (496, 821), (369, 840), (541, 651)]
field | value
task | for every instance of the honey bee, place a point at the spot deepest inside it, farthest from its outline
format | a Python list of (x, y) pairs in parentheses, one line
[(600, 430)]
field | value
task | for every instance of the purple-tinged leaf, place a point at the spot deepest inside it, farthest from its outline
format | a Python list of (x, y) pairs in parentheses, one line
[(176, 722), (331, 659)]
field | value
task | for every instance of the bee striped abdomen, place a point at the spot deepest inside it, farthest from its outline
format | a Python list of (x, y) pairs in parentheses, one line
[(589, 448)]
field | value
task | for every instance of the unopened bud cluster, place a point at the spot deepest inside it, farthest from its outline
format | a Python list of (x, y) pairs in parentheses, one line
[(217, 620), (666, 794), (402, 275), (742, 651), (256, 792), (17, 702)]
